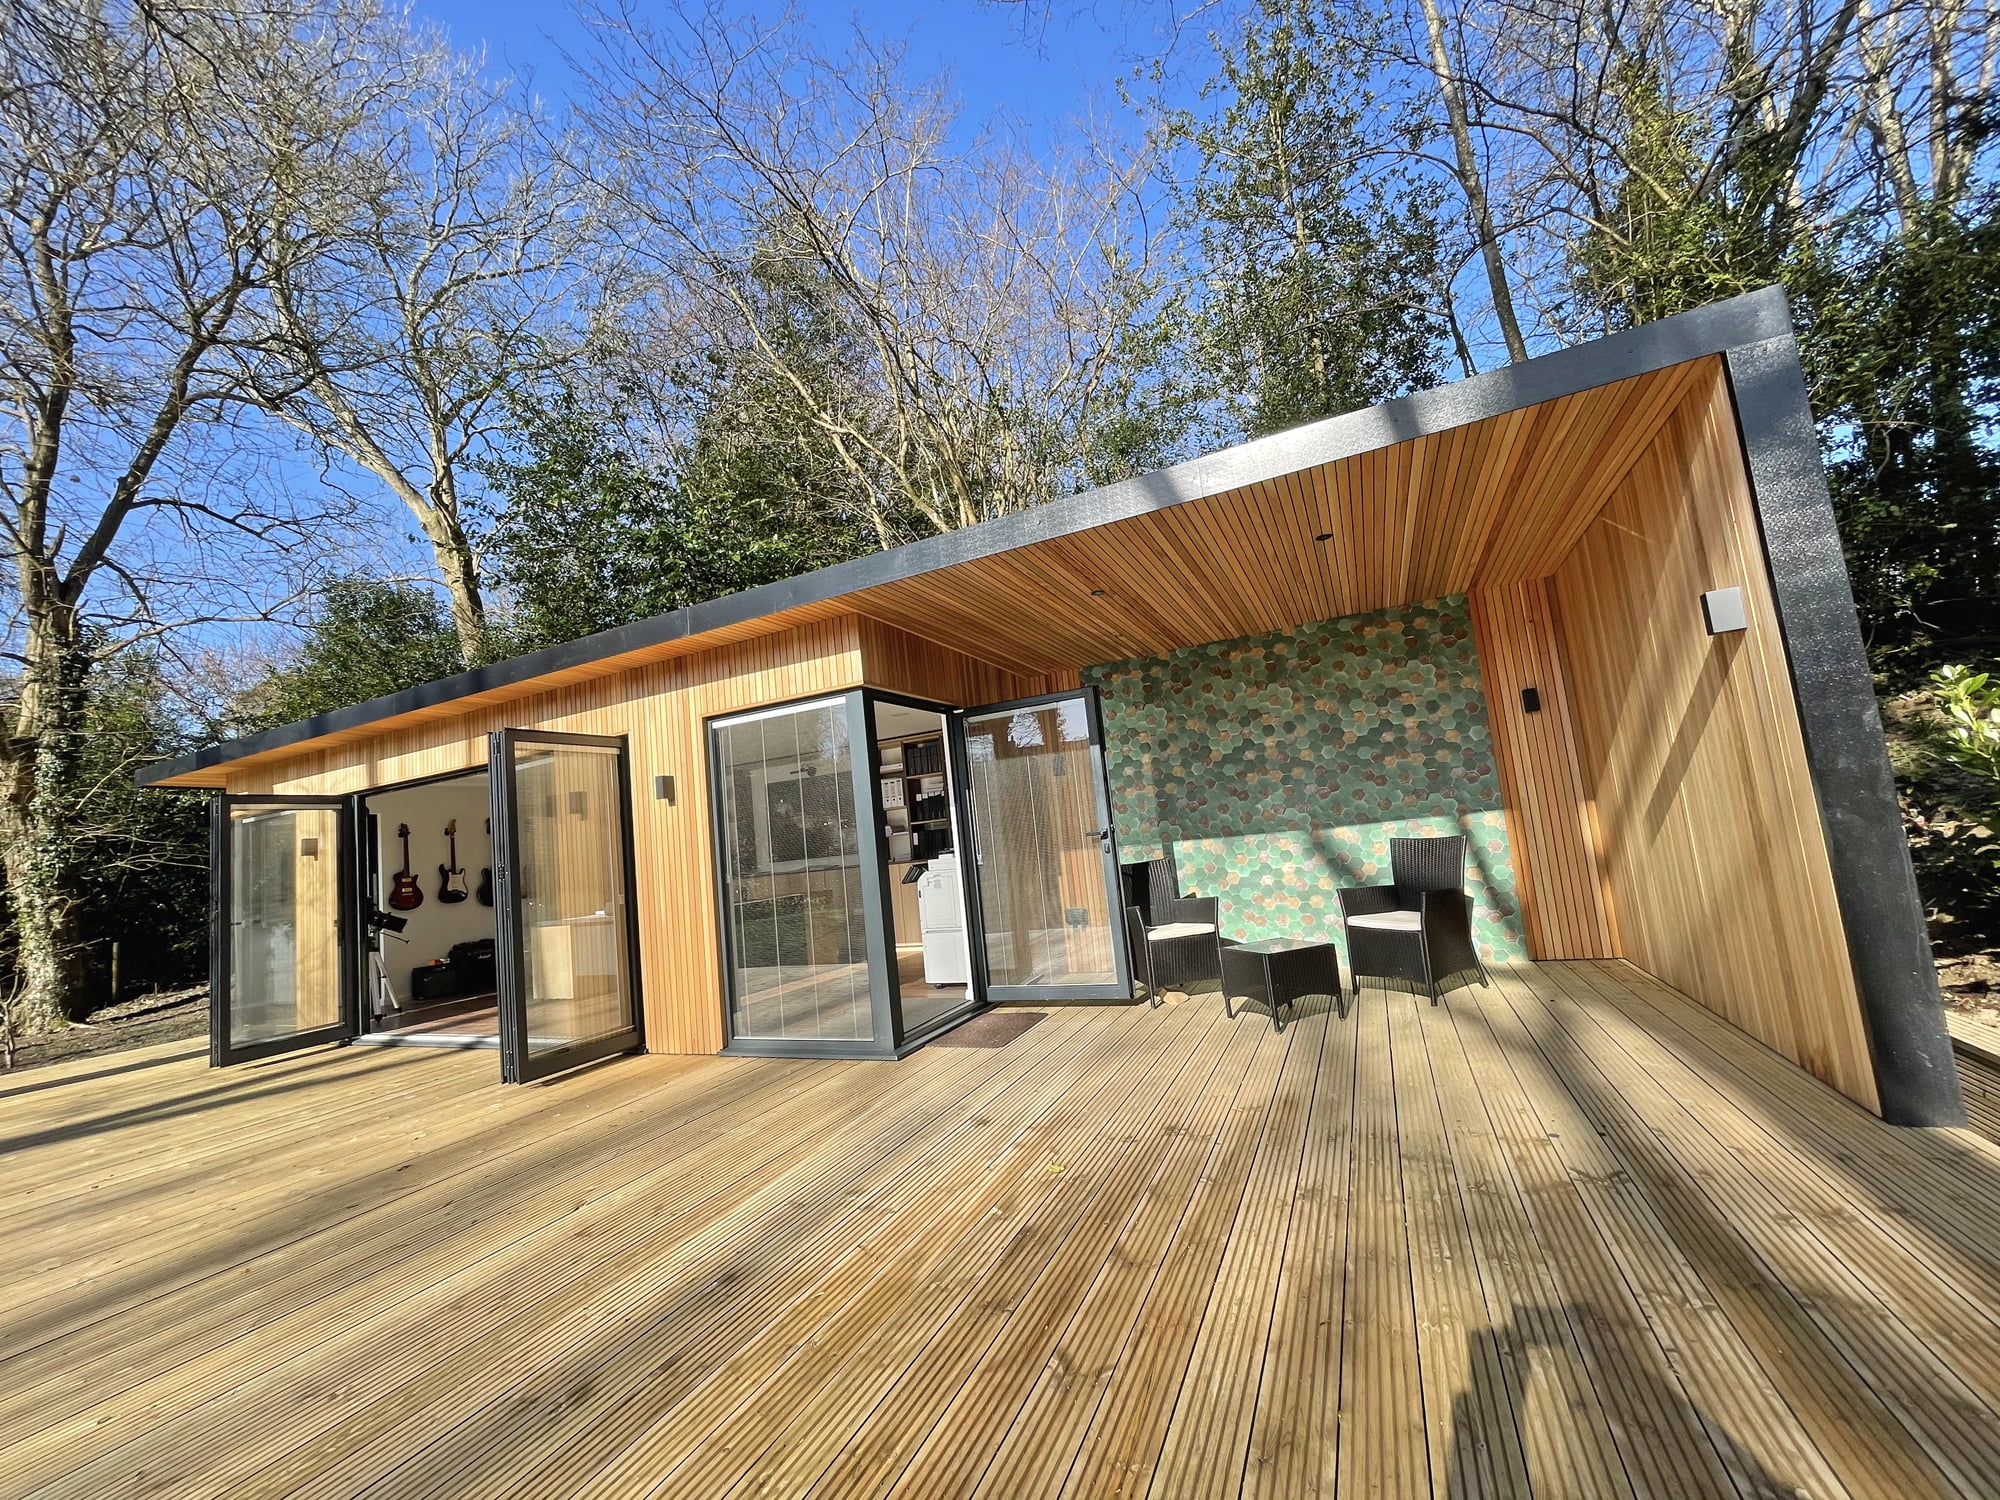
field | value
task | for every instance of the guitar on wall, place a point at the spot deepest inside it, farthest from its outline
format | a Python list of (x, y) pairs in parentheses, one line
[(486, 875), (405, 894), (451, 879)]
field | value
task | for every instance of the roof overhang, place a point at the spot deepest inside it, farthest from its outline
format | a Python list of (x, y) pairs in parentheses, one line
[(1486, 479)]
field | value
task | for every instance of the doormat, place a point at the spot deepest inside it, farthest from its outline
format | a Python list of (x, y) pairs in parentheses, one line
[(994, 1029)]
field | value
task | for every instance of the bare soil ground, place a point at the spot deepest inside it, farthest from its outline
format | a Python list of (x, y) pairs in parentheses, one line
[(1971, 982), (166, 1016)]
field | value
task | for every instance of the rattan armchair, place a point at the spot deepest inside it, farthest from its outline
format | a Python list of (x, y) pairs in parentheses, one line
[(1185, 943), (1418, 929)]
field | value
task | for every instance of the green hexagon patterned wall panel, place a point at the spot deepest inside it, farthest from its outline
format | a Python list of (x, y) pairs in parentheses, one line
[(1278, 768)]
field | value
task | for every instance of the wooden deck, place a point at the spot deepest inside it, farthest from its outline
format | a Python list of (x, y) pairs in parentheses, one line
[(1571, 1236)]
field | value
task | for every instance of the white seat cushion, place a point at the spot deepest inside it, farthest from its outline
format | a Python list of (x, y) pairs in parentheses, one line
[(1389, 921), (1179, 930)]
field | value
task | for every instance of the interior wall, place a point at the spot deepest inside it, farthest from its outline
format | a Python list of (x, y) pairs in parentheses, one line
[(1690, 754), (436, 925), (1277, 767), (662, 708)]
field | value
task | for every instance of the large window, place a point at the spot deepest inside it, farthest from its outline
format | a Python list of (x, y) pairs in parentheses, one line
[(794, 868)]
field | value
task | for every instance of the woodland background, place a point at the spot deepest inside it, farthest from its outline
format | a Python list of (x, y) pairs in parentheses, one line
[(336, 361)]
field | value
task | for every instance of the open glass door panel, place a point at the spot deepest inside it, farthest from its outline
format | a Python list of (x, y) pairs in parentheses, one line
[(1045, 866), (282, 876), (568, 970)]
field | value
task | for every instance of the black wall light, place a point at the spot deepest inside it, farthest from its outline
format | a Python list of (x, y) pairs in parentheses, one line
[(663, 789), (1531, 700)]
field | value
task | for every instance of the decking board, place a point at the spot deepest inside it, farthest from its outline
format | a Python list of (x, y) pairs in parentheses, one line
[(1569, 1235)]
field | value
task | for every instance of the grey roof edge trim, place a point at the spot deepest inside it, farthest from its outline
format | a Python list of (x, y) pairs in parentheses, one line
[(1750, 318), (1847, 755)]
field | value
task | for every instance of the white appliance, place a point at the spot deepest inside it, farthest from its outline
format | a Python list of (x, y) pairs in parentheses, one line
[(941, 913)]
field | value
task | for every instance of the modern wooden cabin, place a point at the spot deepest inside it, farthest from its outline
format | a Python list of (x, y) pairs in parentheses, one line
[(1590, 610)]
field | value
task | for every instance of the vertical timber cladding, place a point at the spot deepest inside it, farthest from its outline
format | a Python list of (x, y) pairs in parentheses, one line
[(1709, 832), (661, 707), (1565, 897), (898, 662)]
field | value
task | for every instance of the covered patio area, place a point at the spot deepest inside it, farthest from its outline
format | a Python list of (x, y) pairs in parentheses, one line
[(1572, 1235)]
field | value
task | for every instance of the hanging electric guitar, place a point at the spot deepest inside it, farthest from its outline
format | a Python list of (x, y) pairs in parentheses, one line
[(405, 894), (486, 875), (451, 879)]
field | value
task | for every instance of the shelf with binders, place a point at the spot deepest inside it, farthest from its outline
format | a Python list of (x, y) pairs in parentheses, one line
[(915, 801)]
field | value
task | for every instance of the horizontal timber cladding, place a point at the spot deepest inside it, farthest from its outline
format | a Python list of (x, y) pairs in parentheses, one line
[(1691, 748), (898, 662), (1564, 895), (661, 708)]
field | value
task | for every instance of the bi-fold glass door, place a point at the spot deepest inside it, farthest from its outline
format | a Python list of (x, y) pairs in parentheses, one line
[(801, 882), (288, 896), (567, 945), (281, 966), (1037, 823)]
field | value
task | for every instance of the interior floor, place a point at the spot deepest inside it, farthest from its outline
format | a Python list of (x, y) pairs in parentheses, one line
[(910, 976), (468, 1020)]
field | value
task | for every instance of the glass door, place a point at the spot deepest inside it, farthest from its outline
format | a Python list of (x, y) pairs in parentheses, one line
[(1045, 879), (283, 876), (567, 946), (801, 883)]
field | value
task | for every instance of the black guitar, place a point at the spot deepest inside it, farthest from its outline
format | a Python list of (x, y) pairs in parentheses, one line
[(486, 875), (405, 894), (451, 879)]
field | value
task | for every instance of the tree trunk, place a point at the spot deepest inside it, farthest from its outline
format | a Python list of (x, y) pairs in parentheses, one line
[(459, 567), (1474, 185), (36, 797)]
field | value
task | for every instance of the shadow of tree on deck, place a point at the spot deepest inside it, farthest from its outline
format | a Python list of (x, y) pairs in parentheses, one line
[(1489, 1454)]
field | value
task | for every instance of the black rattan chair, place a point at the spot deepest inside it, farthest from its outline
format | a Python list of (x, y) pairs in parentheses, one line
[(1185, 943), (1419, 929)]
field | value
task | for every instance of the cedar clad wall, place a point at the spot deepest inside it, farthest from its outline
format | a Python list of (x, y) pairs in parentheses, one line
[(898, 662), (1565, 898), (661, 707), (1661, 800)]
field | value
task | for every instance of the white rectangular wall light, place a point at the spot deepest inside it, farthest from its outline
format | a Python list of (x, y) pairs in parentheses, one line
[(1722, 610)]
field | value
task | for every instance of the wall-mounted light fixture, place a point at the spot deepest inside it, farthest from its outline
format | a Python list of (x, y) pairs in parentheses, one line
[(1323, 536), (309, 848), (663, 789), (1097, 593), (1722, 611), (1531, 700)]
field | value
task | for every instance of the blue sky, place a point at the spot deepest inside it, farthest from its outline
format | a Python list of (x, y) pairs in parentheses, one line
[(1042, 80)]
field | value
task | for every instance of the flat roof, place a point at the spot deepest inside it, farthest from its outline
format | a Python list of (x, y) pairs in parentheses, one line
[(1408, 500)]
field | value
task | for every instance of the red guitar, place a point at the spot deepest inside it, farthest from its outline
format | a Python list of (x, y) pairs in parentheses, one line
[(405, 894)]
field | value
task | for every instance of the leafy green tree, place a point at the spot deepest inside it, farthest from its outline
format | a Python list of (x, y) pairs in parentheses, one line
[(142, 853), (1673, 233), (365, 637), (1903, 351), (595, 530), (135, 857), (1319, 251)]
